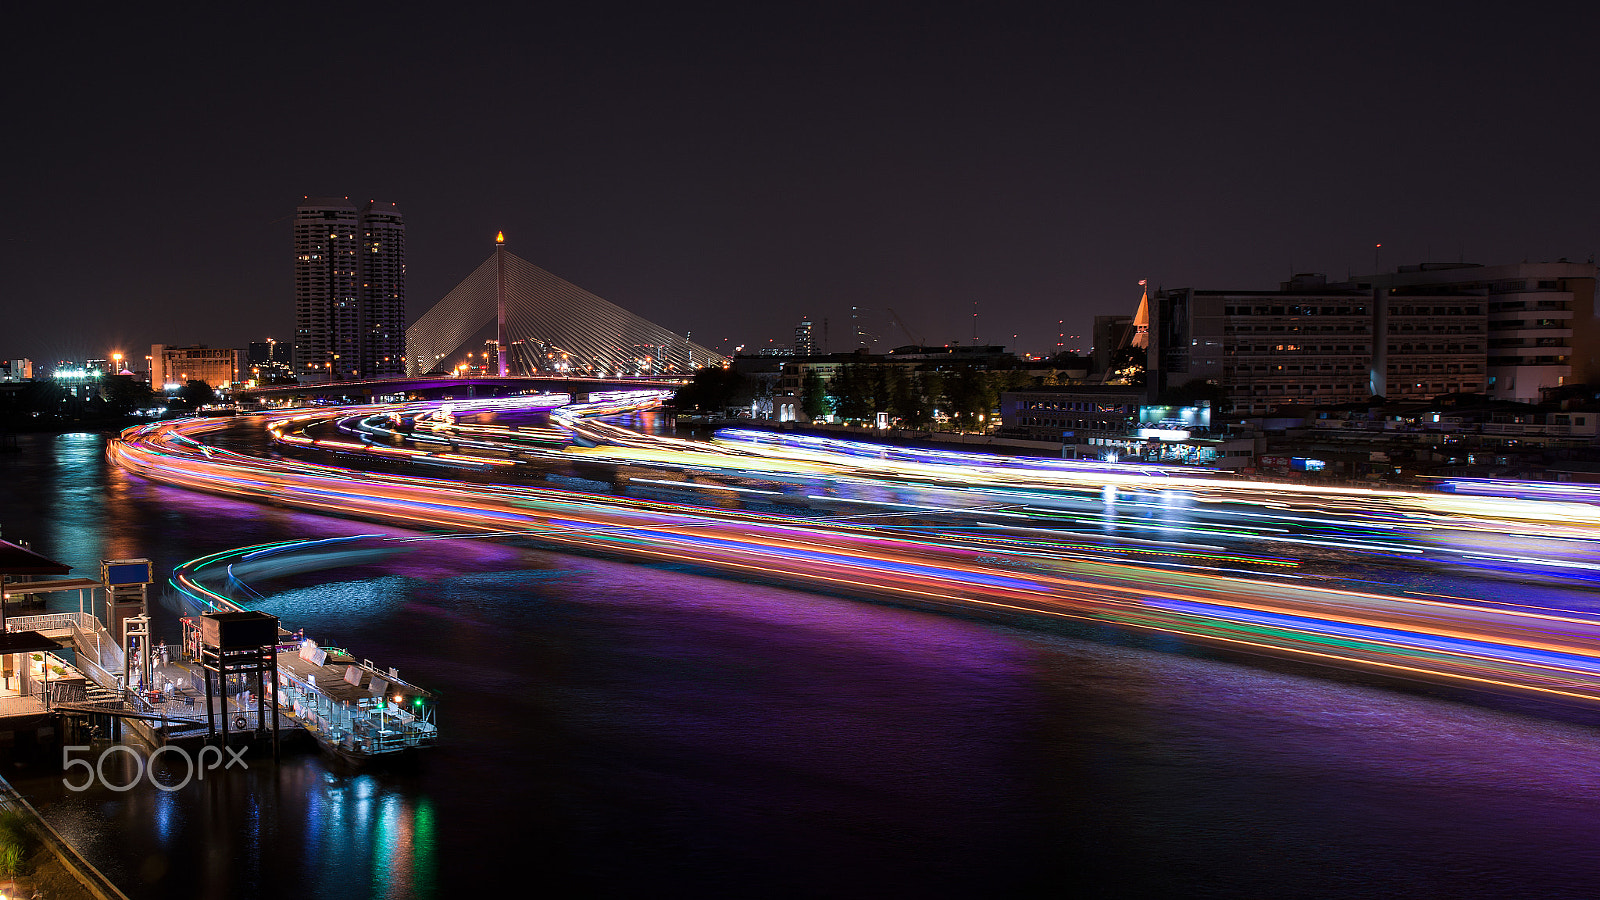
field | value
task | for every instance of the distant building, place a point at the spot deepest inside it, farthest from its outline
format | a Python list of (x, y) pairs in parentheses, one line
[(909, 359), (1084, 414), (1114, 424), (350, 291), (803, 343), (1309, 342), (16, 370), (270, 351), (982, 356), (1111, 333), (80, 381), (218, 367), (1540, 330), (269, 360), (1415, 334)]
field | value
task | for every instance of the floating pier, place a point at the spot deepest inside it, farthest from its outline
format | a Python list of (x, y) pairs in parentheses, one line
[(352, 708)]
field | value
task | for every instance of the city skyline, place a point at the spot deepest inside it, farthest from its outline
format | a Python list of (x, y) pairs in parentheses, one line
[(612, 449), (731, 175)]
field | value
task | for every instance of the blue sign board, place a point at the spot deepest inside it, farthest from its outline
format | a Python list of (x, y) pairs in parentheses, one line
[(126, 571)]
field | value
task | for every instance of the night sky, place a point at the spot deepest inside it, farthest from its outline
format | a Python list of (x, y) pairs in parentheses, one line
[(726, 172)]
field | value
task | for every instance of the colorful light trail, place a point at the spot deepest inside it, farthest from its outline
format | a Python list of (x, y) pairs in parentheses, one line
[(1011, 565)]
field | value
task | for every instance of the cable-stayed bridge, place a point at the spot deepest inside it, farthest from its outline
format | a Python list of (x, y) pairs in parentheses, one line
[(535, 323)]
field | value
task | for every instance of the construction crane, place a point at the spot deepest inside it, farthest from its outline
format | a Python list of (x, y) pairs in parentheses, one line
[(915, 338)]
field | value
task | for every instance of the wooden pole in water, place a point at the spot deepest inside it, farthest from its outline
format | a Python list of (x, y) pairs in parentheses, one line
[(211, 724)]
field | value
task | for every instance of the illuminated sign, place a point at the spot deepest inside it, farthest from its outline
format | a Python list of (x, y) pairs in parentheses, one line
[(1191, 416), (1164, 434)]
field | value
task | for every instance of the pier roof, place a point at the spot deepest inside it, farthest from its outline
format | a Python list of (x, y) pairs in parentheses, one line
[(18, 560), (331, 679), (44, 587), (26, 642)]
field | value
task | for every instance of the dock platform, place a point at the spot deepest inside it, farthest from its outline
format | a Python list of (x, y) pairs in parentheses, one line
[(351, 707)]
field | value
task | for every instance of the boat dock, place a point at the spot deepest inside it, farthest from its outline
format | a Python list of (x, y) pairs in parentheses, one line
[(348, 706), (351, 707), (233, 671)]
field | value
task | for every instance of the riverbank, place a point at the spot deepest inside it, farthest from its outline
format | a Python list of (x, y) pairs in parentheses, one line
[(54, 869)]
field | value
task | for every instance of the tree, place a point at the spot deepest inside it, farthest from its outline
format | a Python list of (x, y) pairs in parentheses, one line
[(932, 391), (966, 394), (908, 401), (814, 395), (713, 390), (44, 397), (125, 394), (852, 390), (197, 393)]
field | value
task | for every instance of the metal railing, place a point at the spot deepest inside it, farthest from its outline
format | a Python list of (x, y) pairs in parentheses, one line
[(21, 706), (51, 621)]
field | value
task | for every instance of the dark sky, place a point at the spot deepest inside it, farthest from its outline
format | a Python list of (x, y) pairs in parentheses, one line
[(727, 171)]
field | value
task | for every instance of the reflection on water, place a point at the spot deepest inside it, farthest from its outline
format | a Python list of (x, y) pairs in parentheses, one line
[(622, 730), (298, 828)]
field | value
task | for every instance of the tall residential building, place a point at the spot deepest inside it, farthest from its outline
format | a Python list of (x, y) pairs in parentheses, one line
[(1429, 341), (383, 290), (350, 291)]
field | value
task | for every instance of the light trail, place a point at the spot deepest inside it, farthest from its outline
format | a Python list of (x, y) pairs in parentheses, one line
[(1480, 644)]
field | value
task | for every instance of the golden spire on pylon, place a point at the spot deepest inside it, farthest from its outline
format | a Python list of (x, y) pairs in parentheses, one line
[(1141, 319)]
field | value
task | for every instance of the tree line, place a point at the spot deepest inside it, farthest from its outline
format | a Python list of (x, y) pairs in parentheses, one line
[(47, 403), (857, 392)]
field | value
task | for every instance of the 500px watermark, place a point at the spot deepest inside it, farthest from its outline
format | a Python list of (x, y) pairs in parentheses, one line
[(196, 766)]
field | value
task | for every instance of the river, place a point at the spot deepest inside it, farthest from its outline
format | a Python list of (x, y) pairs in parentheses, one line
[(615, 729)]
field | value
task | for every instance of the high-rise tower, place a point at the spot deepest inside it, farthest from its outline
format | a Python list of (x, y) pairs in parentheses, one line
[(350, 293), (383, 290)]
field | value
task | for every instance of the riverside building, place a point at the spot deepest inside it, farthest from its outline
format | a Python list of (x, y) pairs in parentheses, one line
[(1309, 342), (1415, 334), (1540, 329)]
